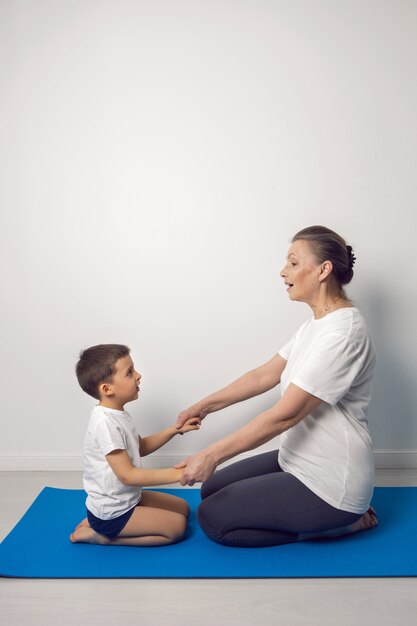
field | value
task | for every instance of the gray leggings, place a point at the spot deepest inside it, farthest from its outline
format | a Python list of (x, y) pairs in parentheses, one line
[(254, 503)]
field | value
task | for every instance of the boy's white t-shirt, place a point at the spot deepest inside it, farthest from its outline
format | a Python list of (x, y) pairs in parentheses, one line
[(108, 430), (330, 450)]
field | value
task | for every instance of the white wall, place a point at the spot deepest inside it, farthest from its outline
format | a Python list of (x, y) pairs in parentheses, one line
[(156, 157)]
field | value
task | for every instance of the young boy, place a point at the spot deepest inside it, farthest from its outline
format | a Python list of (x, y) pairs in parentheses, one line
[(119, 513)]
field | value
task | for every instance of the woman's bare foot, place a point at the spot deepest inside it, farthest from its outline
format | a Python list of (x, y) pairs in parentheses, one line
[(366, 522), (85, 534)]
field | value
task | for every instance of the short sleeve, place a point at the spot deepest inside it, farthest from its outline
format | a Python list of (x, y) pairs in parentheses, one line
[(329, 367), (285, 351), (109, 437)]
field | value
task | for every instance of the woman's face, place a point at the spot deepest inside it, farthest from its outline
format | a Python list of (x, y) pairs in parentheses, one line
[(301, 272)]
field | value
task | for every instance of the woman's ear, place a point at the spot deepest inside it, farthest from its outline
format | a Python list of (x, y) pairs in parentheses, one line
[(326, 269)]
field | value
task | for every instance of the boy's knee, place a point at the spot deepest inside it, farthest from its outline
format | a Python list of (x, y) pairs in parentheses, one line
[(185, 509), (178, 528), (180, 506)]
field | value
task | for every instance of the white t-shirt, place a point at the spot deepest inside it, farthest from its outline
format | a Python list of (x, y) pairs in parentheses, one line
[(330, 450), (108, 430)]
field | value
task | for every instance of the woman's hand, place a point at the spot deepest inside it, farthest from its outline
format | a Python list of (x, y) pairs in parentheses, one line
[(193, 423), (197, 468), (195, 412)]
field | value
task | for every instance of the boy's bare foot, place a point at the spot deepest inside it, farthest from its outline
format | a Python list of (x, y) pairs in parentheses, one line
[(85, 534), (83, 523)]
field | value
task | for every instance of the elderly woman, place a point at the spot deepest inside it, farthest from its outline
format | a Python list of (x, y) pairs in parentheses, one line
[(320, 482)]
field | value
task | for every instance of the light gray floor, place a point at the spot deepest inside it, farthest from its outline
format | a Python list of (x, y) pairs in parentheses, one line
[(317, 602)]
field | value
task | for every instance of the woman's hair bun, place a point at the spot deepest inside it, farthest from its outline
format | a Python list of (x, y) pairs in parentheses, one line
[(352, 257)]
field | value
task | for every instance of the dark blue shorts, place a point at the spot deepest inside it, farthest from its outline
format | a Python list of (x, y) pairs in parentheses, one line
[(110, 528)]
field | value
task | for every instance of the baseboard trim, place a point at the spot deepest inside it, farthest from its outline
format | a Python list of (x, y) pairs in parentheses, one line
[(41, 462), (395, 459), (67, 462)]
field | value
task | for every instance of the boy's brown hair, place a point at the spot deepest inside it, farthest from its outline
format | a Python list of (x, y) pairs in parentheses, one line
[(96, 365)]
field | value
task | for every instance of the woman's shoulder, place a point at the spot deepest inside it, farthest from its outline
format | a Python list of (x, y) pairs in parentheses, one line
[(346, 321), (345, 316)]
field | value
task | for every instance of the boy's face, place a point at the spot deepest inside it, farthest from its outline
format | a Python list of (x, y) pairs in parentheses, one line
[(124, 386)]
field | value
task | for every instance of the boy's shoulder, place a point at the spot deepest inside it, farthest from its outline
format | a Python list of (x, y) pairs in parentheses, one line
[(97, 412), (105, 420), (104, 414)]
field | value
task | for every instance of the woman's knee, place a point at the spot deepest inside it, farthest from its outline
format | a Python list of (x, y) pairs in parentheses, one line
[(211, 520), (206, 522), (206, 488), (215, 483)]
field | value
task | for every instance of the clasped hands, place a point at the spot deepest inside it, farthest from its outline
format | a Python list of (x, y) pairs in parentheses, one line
[(197, 467)]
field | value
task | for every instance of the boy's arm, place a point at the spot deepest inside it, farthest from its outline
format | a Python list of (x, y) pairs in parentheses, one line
[(122, 466), (157, 440)]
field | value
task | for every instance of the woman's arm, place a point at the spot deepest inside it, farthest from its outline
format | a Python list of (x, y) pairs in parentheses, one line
[(294, 405), (251, 384), (149, 444), (122, 466)]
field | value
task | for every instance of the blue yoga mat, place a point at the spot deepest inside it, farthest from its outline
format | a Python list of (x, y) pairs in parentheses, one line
[(39, 547)]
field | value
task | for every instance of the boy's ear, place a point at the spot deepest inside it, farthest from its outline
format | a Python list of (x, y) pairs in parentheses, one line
[(105, 389)]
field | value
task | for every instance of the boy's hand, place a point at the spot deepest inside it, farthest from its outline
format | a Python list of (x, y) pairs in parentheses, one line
[(193, 423), (192, 412)]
